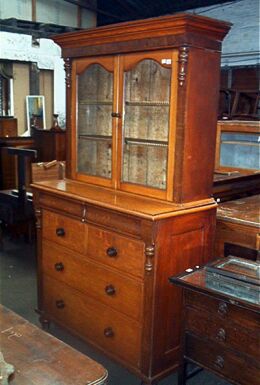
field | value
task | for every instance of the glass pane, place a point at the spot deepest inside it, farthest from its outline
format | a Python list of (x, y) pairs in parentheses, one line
[(240, 150), (146, 124), (94, 122)]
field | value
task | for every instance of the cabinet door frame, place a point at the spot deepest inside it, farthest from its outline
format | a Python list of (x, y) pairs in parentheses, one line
[(127, 62), (109, 63)]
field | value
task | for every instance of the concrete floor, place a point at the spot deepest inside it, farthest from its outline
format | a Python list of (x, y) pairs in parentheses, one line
[(18, 292)]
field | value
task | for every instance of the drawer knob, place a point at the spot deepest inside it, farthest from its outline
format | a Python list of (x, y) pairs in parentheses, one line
[(108, 332), (110, 290), (221, 335), (60, 304), (60, 232), (219, 362), (59, 266), (223, 308), (112, 252)]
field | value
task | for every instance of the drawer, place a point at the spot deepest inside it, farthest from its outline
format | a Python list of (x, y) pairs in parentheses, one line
[(117, 251), (93, 321), (228, 334), (106, 285), (229, 363), (64, 230), (224, 310)]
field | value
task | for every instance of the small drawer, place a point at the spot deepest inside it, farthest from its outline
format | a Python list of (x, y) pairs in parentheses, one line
[(110, 287), (117, 251), (93, 321), (64, 230), (222, 309), (229, 334), (234, 366)]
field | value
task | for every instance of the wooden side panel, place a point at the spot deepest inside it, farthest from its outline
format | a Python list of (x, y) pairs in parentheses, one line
[(196, 126), (182, 242)]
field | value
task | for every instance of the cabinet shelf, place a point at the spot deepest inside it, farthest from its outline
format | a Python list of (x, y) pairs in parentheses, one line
[(148, 103), (95, 103), (146, 142), (95, 137)]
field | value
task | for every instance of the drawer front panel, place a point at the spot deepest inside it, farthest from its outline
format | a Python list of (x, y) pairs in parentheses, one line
[(64, 230), (93, 321), (108, 286), (229, 334), (65, 206), (229, 363), (116, 251), (224, 310)]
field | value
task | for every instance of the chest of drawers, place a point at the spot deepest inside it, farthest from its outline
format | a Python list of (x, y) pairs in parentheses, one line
[(103, 269), (220, 333)]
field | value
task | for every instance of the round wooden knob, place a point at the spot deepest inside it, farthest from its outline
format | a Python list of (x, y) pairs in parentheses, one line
[(60, 232), (112, 252), (219, 362), (60, 304), (223, 308), (110, 290), (221, 334), (59, 266), (108, 332)]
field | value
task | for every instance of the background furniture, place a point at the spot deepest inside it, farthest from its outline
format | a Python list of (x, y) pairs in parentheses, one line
[(16, 209), (136, 205), (50, 144), (237, 160), (238, 222), (8, 127), (8, 162), (221, 330), (41, 358)]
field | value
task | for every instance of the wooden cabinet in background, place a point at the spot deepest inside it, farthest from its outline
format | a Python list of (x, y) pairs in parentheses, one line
[(136, 205), (8, 127), (50, 144)]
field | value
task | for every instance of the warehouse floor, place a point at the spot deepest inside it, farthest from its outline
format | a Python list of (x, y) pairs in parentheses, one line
[(18, 292)]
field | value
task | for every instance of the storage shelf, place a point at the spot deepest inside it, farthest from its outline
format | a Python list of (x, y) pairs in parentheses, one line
[(96, 137), (95, 103), (147, 103), (146, 142)]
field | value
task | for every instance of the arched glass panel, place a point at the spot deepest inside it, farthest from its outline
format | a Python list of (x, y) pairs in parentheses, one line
[(146, 124), (94, 122)]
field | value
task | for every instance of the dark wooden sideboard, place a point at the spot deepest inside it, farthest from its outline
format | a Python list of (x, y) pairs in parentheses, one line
[(221, 321)]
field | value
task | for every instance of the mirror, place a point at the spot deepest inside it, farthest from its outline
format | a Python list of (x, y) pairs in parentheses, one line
[(35, 110)]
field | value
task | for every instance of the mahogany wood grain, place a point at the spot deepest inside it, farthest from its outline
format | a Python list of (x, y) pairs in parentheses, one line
[(40, 358)]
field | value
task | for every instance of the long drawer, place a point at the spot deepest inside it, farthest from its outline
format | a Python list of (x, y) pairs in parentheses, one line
[(222, 309), (104, 284), (236, 367), (64, 230), (228, 334), (92, 320)]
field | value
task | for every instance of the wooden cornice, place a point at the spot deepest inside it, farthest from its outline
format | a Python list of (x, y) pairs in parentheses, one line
[(157, 29)]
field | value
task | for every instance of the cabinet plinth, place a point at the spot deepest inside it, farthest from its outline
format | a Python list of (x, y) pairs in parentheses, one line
[(136, 205)]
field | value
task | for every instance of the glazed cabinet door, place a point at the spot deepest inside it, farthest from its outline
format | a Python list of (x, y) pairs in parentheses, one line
[(149, 99), (94, 99)]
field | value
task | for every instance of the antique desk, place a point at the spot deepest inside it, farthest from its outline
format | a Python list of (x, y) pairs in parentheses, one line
[(238, 222), (41, 359), (221, 323)]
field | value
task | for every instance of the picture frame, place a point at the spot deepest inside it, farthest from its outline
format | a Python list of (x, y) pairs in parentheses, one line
[(35, 111)]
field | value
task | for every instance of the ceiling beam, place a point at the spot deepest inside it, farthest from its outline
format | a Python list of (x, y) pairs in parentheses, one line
[(88, 4)]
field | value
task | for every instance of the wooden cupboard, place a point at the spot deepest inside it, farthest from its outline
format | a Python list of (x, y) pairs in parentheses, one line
[(136, 204)]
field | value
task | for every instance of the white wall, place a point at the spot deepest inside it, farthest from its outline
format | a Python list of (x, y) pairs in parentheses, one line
[(241, 45), (47, 55)]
